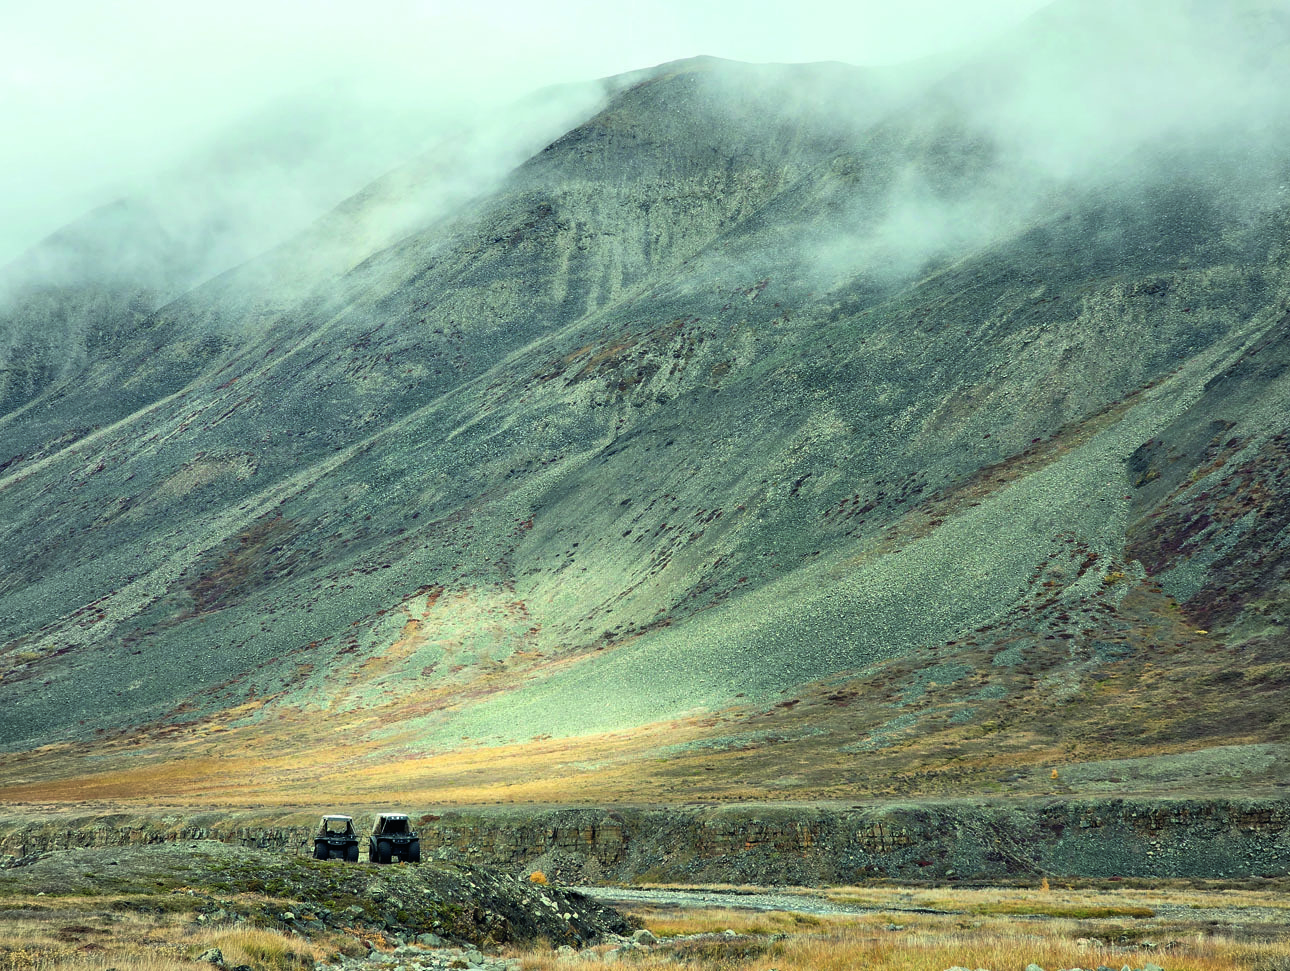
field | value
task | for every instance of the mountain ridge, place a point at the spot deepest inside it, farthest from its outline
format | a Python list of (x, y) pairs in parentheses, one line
[(716, 410)]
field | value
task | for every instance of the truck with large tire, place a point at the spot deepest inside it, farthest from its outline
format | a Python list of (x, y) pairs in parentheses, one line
[(393, 836), (336, 839)]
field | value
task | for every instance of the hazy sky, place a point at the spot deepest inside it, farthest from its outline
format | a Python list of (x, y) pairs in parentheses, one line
[(97, 97)]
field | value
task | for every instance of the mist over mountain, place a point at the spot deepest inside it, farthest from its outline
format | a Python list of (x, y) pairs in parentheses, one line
[(916, 429)]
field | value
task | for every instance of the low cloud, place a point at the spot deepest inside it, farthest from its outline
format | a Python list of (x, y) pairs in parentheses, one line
[(252, 147), (96, 100), (1102, 96)]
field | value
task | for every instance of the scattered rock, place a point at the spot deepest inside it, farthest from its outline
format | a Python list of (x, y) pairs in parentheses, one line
[(212, 956), (453, 903), (643, 936)]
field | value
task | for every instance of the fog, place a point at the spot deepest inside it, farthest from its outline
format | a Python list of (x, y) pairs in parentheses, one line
[(231, 129), (100, 101), (1110, 97)]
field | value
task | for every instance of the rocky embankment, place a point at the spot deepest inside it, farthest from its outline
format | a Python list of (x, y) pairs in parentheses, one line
[(424, 906), (765, 844), (807, 845)]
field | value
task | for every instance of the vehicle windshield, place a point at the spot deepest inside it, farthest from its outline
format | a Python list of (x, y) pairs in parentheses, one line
[(338, 827), (394, 826)]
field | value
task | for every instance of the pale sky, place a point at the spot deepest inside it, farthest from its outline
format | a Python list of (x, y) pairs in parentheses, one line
[(96, 97)]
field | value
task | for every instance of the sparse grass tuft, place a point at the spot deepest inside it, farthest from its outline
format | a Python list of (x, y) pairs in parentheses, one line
[(262, 949)]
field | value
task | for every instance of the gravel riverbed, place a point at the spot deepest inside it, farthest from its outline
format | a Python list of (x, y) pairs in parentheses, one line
[(797, 902)]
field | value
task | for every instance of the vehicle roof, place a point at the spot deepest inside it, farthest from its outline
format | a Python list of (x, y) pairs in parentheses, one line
[(338, 817), (394, 815)]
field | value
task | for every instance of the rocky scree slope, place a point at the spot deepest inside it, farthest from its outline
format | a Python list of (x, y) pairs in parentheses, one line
[(709, 405)]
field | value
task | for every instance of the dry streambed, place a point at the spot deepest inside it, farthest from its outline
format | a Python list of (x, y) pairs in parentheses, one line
[(794, 901)]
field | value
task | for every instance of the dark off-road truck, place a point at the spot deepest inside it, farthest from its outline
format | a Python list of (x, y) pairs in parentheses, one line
[(336, 839), (393, 836)]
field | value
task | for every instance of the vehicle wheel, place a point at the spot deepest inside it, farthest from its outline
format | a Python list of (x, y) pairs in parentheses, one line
[(351, 854), (320, 851), (414, 853), (383, 850)]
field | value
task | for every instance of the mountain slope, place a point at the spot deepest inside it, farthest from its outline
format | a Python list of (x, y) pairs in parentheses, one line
[(770, 413)]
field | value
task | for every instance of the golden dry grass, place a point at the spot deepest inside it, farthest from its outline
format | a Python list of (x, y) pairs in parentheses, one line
[(790, 942), (269, 752), (278, 763), (262, 949), (97, 933), (284, 760), (155, 960), (1064, 900), (999, 928)]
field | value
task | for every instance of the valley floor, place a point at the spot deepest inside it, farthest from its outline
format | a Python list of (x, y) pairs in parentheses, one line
[(1078, 924)]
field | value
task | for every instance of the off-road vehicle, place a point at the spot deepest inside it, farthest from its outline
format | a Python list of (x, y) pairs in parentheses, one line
[(393, 836), (336, 839)]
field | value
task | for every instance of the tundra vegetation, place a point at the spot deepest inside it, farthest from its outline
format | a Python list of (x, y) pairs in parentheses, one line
[(1172, 926), (1176, 927)]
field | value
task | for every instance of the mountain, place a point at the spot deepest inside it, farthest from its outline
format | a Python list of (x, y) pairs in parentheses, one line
[(261, 200), (775, 430)]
